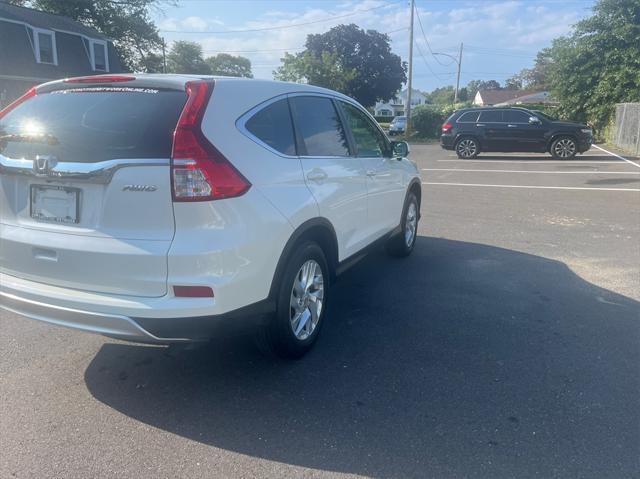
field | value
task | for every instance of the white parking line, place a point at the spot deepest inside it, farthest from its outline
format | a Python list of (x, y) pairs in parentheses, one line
[(532, 186), (540, 161), (538, 172), (617, 156)]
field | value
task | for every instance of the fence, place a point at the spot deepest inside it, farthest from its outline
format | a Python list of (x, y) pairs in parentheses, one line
[(626, 127)]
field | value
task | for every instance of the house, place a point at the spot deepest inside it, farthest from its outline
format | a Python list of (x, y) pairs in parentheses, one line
[(509, 97), (396, 106), (36, 47)]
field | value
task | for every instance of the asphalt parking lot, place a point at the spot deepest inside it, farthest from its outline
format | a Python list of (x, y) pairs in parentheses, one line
[(506, 346)]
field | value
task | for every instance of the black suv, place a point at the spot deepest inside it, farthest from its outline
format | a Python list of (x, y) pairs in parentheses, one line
[(473, 130)]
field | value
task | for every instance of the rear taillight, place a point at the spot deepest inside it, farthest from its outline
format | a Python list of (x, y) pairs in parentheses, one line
[(199, 172), (29, 94), (100, 79), (446, 127)]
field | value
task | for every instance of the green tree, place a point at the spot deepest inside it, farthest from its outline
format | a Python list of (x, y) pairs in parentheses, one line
[(538, 77), (442, 96), (513, 83), (474, 85), (186, 57), (127, 22), (348, 59), (227, 65), (599, 64)]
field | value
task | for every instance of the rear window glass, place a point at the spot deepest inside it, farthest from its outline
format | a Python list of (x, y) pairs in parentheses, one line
[(491, 116), (272, 125), (88, 125), (469, 117), (320, 127)]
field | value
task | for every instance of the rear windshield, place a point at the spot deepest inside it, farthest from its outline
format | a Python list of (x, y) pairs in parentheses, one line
[(88, 125)]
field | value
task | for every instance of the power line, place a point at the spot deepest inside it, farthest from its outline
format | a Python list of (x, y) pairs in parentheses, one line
[(264, 29), (424, 35)]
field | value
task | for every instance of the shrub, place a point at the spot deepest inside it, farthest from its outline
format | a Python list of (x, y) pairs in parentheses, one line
[(426, 120)]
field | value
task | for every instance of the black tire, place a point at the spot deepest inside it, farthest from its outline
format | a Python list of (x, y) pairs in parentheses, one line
[(563, 148), (467, 148), (401, 245), (277, 335)]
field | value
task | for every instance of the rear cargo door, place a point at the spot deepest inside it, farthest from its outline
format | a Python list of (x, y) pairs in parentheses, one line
[(85, 191)]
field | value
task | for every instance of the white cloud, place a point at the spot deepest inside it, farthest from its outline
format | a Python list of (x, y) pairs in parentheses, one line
[(520, 26)]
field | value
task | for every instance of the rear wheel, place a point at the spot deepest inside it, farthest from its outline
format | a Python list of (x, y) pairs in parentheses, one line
[(467, 148), (564, 148), (403, 243), (301, 304)]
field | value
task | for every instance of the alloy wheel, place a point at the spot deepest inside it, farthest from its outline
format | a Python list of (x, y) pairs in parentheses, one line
[(410, 224), (564, 148), (307, 297), (467, 148)]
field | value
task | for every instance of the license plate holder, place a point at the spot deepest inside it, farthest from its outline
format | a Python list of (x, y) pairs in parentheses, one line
[(55, 204)]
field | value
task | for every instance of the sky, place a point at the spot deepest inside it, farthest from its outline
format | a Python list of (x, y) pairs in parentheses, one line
[(500, 36)]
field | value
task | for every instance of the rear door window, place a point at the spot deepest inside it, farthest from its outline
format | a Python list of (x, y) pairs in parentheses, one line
[(88, 125), (469, 117), (272, 125), (491, 116), (318, 124)]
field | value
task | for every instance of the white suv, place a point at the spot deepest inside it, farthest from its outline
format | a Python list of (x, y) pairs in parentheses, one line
[(151, 207)]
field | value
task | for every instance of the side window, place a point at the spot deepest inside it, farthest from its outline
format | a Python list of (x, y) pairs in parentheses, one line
[(272, 125), (370, 142), (319, 126), (491, 116), (516, 116), (469, 117)]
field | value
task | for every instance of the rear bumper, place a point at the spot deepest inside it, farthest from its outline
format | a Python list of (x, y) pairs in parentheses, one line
[(146, 320), (447, 142), (584, 144)]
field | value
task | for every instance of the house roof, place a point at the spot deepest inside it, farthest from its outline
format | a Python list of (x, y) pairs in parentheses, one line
[(491, 97), (45, 20)]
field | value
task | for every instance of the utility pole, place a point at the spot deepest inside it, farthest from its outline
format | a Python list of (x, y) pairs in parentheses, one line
[(407, 109), (455, 97), (164, 57)]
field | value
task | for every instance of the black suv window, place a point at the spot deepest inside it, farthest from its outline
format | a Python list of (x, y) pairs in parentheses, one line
[(469, 117), (272, 125), (516, 116), (369, 140), (87, 125), (491, 116), (319, 126)]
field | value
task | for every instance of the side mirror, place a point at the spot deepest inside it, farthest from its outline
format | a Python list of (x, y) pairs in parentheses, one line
[(534, 120), (400, 148)]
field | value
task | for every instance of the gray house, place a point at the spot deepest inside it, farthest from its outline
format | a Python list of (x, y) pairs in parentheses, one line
[(36, 47)]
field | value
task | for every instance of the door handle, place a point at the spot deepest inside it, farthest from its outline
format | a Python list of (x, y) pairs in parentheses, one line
[(480, 124), (512, 126), (316, 175), (371, 173)]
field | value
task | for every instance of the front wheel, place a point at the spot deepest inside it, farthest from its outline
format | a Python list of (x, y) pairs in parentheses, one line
[(467, 148), (563, 148), (403, 243), (301, 304)]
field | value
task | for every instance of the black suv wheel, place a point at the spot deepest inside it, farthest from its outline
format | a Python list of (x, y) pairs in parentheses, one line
[(564, 148), (467, 148)]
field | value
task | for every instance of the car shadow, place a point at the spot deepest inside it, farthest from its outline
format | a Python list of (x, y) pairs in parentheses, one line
[(463, 360)]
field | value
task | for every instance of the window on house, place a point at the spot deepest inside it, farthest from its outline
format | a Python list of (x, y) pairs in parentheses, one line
[(99, 56), (44, 46)]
